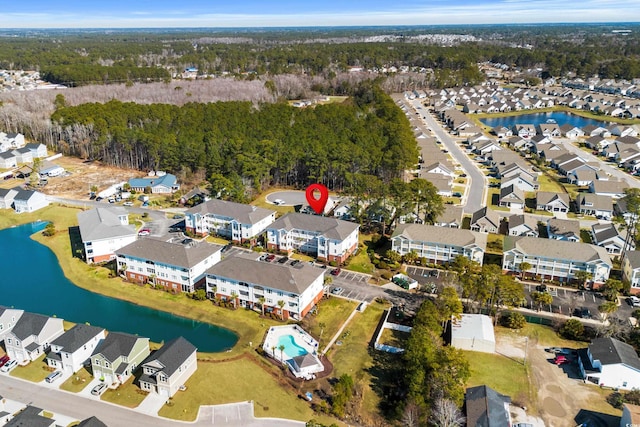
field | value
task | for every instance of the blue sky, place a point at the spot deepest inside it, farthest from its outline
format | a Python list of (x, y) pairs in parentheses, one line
[(266, 13)]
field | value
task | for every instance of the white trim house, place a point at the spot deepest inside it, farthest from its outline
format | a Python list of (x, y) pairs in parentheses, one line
[(104, 231), (168, 368), (31, 336), (71, 350)]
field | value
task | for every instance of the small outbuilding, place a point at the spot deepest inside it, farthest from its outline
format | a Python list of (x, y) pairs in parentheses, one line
[(472, 332)]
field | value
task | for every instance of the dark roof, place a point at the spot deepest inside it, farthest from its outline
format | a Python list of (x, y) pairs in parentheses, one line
[(175, 254), (76, 337), (492, 216), (486, 408), (29, 324), (91, 422), (172, 355), (30, 417), (244, 214), (610, 351), (330, 228), (117, 344)]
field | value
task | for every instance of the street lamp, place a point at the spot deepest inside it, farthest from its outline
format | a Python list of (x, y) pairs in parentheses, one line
[(526, 345)]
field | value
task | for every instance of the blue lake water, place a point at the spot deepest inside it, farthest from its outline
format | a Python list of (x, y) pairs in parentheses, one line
[(560, 117), (33, 281)]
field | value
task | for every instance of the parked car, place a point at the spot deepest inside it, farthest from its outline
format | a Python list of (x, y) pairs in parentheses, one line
[(336, 271), (270, 258), (144, 232), (583, 312), (4, 359), (127, 204), (226, 247), (634, 301), (99, 389), (295, 262), (53, 376), (463, 175), (336, 290), (559, 360), (8, 176), (9, 366), (263, 257), (559, 351), (283, 260), (457, 194), (541, 288), (278, 202)]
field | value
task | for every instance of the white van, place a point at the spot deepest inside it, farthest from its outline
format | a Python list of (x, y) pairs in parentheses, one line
[(53, 376)]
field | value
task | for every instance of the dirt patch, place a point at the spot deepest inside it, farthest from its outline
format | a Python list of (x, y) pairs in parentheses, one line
[(551, 406)]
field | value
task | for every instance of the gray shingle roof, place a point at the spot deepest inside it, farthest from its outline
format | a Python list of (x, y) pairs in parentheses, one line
[(610, 351), (29, 324), (451, 214), (634, 258), (545, 197), (564, 227), (103, 223), (485, 213), (172, 355), (520, 219), (91, 422), (556, 249), (30, 417), (76, 337), (603, 232), (276, 276), (610, 187), (175, 254), (433, 234), (117, 344), (330, 228), (244, 214), (597, 201), (486, 408)]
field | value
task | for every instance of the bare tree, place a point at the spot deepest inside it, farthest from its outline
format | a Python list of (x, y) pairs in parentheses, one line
[(411, 415), (446, 414)]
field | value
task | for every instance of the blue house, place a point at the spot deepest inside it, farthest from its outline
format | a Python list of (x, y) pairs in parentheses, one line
[(165, 183)]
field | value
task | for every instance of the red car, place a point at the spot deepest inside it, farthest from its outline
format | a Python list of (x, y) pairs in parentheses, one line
[(270, 258), (4, 359), (336, 272), (559, 360)]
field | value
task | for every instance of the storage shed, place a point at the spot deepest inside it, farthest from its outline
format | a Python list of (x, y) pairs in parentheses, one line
[(473, 332)]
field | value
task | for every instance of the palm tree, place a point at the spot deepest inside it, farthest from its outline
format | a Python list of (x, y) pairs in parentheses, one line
[(234, 297), (524, 267), (273, 351), (281, 305), (281, 348), (261, 300)]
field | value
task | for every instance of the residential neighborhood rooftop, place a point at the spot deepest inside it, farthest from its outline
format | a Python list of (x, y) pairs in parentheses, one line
[(245, 214), (433, 234), (176, 254), (558, 250), (171, 355), (103, 223), (331, 228)]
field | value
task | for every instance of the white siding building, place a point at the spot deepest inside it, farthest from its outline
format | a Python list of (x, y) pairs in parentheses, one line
[(235, 221), (168, 368), (31, 336), (104, 231), (610, 363), (299, 287), (437, 244), (72, 349)]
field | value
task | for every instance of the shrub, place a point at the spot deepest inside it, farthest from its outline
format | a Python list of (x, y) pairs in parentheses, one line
[(333, 264), (383, 265), (49, 230), (513, 320), (572, 329), (386, 275)]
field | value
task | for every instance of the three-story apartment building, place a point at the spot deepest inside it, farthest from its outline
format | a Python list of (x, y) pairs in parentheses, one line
[(104, 231)]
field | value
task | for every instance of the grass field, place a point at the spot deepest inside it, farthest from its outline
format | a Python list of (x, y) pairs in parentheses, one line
[(547, 183), (332, 312), (35, 371), (128, 394), (78, 381), (361, 261)]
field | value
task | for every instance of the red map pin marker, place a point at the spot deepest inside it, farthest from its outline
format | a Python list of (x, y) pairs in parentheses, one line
[(319, 203)]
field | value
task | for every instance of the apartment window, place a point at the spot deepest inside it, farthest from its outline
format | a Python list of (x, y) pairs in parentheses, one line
[(106, 364), (97, 362), (9, 340)]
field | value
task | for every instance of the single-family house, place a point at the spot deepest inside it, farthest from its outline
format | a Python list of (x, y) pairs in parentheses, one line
[(614, 189), (524, 130), (167, 369), (523, 225), (596, 142), (328, 239), (23, 155), (29, 201), (234, 221), (484, 407), (161, 183), (6, 197), (118, 356), (631, 270), (72, 349), (91, 422), (450, 217), (551, 130), (31, 416), (38, 151), (582, 176), (8, 160), (502, 132), (609, 362), (571, 132), (31, 336), (438, 245), (558, 261), (512, 197), (485, 220), (592, 130), (103, 231), (607, 236), (539, 140), (563, 229), (177, 267), (520, 144), (8, 319), (300, 287), (552, 202), (440, 168), (595, 205), (485, 147)]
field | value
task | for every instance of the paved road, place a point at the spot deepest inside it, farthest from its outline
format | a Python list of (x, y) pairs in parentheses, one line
[(61, 402)]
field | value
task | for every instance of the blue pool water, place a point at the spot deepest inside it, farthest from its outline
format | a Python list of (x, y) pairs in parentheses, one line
[(534, 119), (291, 348)]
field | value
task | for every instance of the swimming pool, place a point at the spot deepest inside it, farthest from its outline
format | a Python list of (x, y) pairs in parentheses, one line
[(291, 348)]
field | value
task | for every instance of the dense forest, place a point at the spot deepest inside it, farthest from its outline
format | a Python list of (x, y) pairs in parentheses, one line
[(78, 58), (243, 144)]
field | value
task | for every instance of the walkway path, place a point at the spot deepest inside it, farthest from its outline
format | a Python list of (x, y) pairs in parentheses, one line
[(337, 335)]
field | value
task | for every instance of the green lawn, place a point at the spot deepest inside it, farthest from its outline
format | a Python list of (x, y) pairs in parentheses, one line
[(354, 356), (495, 243), (78, 381), (547, 183), (361, 261), (501, 373), (217, 240), (35, 371), (128, 394), (585, 235), (240, 380), (394, 338), (333, 312)]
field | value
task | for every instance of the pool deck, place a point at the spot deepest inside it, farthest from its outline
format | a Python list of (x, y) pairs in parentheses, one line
[(300, 336)]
